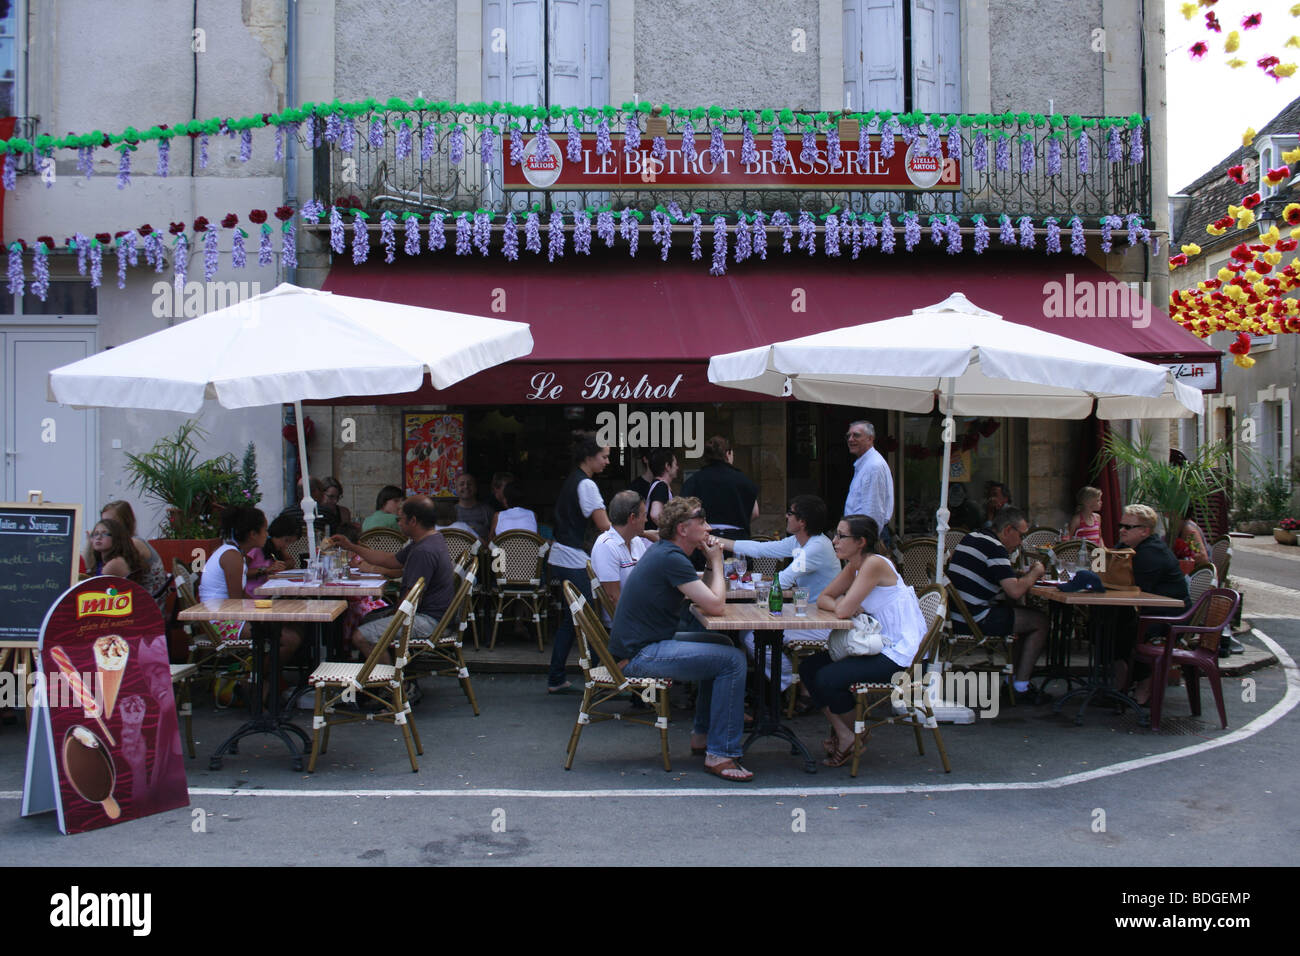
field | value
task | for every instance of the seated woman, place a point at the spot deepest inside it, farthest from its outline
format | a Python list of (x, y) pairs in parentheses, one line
[(273, 557), (112, 552), (387, 503), (515, 517), (156, 577), (226, 572), (868, 582)]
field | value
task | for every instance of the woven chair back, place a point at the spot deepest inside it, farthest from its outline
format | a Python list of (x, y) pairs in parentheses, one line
[(599, 594), (383, 539), (185, 593), (1040, 538), (951, 538), (768, 567), (1216, 609), (1221, 556), (297, 551), (404, 634), (458, 542), (519, 559), (596, 637), (934, 604), (455, 610), (1067, 552), (917, 562), (1200, 580)]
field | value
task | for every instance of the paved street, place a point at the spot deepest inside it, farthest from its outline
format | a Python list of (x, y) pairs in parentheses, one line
[(1028, 787)]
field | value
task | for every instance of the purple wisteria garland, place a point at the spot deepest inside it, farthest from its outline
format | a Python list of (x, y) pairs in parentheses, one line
[(311, 211), (1053, 235), (402, 148), (164, 154), (510, 238), (981, 234), (1053, 156), (911, 231), (555, 236), (782, 219), (697, 225), (279, 143), (482, 231), (808, 151), (15, 270), (347, 134), (605, 227), (411, 233), (41, 272), (388, 235), (211, 250), (831, 237), (886, 235), (603, 143), (1136, 151), (487, 141), (464, 239), (573, 141), (289, 246), (1001, 153), (688, 143), (437, 231), (1006, 231), (1114, 148), (123, 257), (516, 144), (180, 263), (1084, 157), (360, 239), (332, 128), (582, 232), (266, 255), (748, 153), (807, 232), (864, 144), (376, 135), (868, 234), (542, 150), (1027, 158), (661, 232), (1026, 232), (82, 244), (631, 134), (123, 169), (744, 242), (428, 140), (779, 153), (86, 160), (659, 148), (238, 252), (627, 227), (717, 146), (245, 145), (96, 263), (854, 231), (719, 266), (936, 230), (887, 142), (1078, 243), (758, 235), (203, 152), (834, 154), (456, 145), (954, 142), (980, 151), (533, 232), (336, 231), (953, 229), (153, 252)]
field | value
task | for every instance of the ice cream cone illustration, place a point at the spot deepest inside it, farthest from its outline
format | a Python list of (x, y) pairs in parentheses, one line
[(89, 702), (111, 653)]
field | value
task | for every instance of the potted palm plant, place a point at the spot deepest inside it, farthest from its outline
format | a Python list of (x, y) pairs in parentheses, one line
[(1173, 490), (193, 491)]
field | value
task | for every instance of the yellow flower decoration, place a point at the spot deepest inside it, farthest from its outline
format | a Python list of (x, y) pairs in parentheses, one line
[(1271, 237), (1295, 9), (1236, 63), (1188, 10), (1248, 137), (1234, 40), (1234, 211), (1284, 69), (1293, 41), (1214, 230), (1225, 274), (1245, 361), (1245, 219), (1192, 249), (1272, 258), (1291, 155)]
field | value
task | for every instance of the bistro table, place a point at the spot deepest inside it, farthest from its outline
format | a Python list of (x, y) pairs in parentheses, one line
[(287, 611), (291, 585), (769, 630), (1103, 622)]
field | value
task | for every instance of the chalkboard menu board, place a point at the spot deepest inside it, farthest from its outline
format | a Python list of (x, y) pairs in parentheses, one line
[(38, 562)]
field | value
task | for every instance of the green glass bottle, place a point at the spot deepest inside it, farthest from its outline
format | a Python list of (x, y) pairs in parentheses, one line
[(775, 600)]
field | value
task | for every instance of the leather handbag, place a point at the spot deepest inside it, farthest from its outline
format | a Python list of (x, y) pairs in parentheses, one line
[(1116, 569), (862, 640)]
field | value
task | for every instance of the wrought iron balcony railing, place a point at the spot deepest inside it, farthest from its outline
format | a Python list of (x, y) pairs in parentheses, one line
[(374, 179)]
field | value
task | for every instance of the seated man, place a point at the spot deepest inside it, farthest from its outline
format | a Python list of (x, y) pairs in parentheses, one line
[(444, 516), (617, 550), (980, 568), (813, 562), (1155, 571), (647, 643), (424, 557)]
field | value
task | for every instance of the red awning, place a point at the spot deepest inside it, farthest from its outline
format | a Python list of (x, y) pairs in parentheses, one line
[(612, 328)]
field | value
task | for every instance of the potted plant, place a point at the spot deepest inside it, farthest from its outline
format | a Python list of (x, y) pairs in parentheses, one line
[(1259, 505), (1285, 532), (1174, 491), (193, 491)]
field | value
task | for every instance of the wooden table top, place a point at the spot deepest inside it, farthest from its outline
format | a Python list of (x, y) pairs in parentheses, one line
[(751, 617), (747, 594), (1108, 599), (19, 644), (293, 587), (284, 610)]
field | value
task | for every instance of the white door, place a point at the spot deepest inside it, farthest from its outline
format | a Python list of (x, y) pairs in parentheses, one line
[(46, 446)]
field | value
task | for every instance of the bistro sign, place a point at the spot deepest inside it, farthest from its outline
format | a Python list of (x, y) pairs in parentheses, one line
[(617, 170)]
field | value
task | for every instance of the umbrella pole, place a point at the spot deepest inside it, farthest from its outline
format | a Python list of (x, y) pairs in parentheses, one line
[(944, 710), (308, 503)]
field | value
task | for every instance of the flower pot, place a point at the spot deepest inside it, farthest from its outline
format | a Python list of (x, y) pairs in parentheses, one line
[(1255, 527), (1282, 536)]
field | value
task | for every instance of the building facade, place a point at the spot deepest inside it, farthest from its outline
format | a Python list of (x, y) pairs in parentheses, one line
[(606, 314)]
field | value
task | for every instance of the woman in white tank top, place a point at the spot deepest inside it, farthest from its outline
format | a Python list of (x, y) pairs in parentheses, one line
[(515, 517), (871, 583)]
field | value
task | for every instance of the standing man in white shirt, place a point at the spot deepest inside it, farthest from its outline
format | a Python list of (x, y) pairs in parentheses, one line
[(616, 552), (871, 492)]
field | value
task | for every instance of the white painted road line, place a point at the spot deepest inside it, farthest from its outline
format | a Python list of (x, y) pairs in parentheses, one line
[(1275, 713)]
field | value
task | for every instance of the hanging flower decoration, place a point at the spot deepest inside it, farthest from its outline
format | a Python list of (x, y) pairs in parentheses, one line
[(336, 230), (628, 222), (581, 232), (555, 236), (758, 235), (482, 230), (717, 146), (464, 235), (510, 238), (807, 232), (779, 153), (853, 230), (487, 144), (936, 230), (887, 137), (360, 237), (1078, 244), (533, 231), (376, 134), (1026, 232), (1053, 235), (164, 154), (605, 226), (719, 266), (1001, 152), (886, 235), (603, 144), (211, 250), (15, 270), (288, 238), (123, 168), (411, 233), (980, 151), (659, 148), (867, 231), (429, 139), (573, 141), (180, 258), (981, 235), (437, 231), (697, 225), (542, 151), (831, 237), (1084, 152), (911, 231), (748, 152), (41, 267), (631, 134), (808, 151), (388, 235)]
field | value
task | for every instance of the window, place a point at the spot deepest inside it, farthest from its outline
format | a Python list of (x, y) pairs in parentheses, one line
[(556, 52), (902, 55), (65, 297), (11, 101), (1272, 418)]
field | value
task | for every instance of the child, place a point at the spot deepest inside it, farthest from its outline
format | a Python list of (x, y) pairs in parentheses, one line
[(272, 558), (1086, 523)]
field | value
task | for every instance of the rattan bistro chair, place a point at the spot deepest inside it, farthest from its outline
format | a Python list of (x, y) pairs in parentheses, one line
[(911, 692), (916, 563), (458, 544), (442, 652), (605, 682), (208, 650), (600, 594), (182, 678), (1221, 558), (1201, 580), (383, 539), (1040, 538), (519, 568), (344, 683), (960, 645)]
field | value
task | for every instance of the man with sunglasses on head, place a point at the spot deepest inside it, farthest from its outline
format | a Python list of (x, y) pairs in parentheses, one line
[(647, 643)]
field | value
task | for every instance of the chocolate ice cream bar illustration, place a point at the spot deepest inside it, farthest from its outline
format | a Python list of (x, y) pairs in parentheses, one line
[(84, 694), (111, 653), (89, 768)]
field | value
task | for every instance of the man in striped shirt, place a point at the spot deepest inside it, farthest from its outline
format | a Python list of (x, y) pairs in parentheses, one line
[(980, 570)]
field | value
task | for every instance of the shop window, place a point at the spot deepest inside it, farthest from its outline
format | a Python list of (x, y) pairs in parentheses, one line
[(11, 23), (979, 455), (902, 55), (65, 297)]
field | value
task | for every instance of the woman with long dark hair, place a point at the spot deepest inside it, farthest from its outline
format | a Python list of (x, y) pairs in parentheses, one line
[(868, 582), (113, 552), (578, 507)]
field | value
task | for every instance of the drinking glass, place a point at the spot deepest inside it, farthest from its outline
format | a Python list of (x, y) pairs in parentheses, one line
[(761, 593), (740, 566), (800, 602)]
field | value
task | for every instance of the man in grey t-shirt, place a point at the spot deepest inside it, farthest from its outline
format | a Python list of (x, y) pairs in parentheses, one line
[(646, 640)]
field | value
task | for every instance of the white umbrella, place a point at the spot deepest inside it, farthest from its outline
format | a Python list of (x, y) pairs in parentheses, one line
[(287, 345), (971, 361)]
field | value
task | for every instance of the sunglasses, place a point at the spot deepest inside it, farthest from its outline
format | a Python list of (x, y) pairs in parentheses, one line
[(1130, 527), (699, 514)]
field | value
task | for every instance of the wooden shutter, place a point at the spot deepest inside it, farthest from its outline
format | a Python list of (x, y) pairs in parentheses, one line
[(578, 58), (936, 56), (873, 54)]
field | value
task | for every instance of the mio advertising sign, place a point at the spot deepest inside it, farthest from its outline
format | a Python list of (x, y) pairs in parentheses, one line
[(105, 743), (907, 169)]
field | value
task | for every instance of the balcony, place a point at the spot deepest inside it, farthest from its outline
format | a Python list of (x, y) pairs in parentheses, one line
[(378, 181)]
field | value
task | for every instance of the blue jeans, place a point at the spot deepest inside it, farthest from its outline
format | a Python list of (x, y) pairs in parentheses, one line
[(720, 670), (565, 633)]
